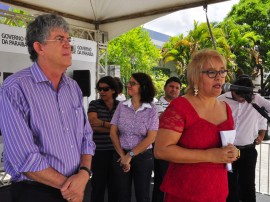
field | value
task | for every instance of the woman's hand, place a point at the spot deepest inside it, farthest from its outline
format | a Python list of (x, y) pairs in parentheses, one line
[(126, 168), (227, 154), (125, 164)]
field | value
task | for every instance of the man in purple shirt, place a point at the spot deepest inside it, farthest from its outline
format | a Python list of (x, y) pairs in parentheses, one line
[(48, 143)]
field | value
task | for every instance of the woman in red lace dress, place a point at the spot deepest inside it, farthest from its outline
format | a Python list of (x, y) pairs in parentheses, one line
[(189, 138)]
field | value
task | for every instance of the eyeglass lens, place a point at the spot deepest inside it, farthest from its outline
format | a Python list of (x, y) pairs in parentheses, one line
[(132, 83), (61, 40), (213, 73)]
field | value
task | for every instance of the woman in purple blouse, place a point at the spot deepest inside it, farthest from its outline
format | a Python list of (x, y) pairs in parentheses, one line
[(133, 130)]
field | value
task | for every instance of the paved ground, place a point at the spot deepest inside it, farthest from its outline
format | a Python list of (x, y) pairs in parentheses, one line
[(263, 168), (262, 197)]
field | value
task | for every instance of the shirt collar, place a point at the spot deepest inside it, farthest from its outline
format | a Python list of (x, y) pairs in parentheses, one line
[(39, 76), (143, 106), (229, 95), (163, 100)]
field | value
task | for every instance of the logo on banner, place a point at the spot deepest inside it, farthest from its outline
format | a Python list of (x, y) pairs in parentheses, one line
[(84, 50), (13, 40)]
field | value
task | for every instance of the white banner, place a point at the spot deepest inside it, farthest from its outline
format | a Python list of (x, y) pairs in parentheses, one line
[(84, 50), (12, 39)]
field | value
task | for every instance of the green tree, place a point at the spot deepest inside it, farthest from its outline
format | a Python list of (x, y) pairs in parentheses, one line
[(177, 50), (159, 80), (255, 14), (239, 46), (134, 52), (20, 19)]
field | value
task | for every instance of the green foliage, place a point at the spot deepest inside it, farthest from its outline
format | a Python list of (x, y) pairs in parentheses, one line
[(256, 15), (19, 20), (177, 49), (235, 38), (159, 80), (134, 52)]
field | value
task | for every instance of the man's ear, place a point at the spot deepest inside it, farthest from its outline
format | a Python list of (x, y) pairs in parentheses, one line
[(38, 48)]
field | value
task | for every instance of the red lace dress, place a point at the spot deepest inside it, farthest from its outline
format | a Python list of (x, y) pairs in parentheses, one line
[(198, 182)]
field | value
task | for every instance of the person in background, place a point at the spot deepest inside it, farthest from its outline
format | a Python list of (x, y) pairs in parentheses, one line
[(247, 122), (188, 135), (100, 113), (133, 130), (172, 89), (121, 96), (47, 137)]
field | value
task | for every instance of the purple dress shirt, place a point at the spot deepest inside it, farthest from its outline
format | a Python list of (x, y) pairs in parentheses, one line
[(42, 127), (134, 125)]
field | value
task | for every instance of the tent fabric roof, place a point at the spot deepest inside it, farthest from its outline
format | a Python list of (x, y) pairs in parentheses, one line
[(112, 16)]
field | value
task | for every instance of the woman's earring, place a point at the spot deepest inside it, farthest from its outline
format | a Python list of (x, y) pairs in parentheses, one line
[(196, 91)]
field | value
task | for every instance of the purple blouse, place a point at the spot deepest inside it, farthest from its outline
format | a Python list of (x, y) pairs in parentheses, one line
[(134, 125)]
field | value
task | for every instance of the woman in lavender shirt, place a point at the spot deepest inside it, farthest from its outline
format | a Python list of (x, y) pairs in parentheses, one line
[(133, 130)]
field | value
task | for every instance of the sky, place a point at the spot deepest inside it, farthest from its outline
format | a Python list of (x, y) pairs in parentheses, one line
[(182, 21)]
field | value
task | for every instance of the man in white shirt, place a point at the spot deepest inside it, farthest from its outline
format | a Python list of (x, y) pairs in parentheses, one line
[(250, 129), (172, 89), (121, 96)]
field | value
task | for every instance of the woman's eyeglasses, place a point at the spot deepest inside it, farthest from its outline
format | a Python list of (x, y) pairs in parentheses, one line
[(213, 73), (105, 89), (132, 83)]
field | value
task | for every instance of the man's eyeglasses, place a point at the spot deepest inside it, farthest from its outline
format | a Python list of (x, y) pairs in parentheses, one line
[(60, 40), (213, 73), (132, 83), (105, 89)]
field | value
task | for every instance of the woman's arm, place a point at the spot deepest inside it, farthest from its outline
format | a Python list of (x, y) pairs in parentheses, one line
[(97, 124), (115, 140), (166, 148), (142, 146)]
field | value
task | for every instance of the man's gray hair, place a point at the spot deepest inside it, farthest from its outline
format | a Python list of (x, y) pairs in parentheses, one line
[(39, 30)]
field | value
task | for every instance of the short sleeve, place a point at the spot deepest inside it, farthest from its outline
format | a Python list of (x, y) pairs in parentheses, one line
[(262, 123), (92, 106), (116, 115), (172, 119), (154, 119)]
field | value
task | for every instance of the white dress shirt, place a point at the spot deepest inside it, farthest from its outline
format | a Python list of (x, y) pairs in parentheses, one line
[(121, 97), (247, 120), (161, 105)]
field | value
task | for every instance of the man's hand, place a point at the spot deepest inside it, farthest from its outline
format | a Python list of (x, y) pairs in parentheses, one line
[(73, 188), (258, 140), (260, 137)]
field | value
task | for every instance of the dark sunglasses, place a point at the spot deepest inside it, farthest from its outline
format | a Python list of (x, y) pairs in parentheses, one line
[(105, 89)]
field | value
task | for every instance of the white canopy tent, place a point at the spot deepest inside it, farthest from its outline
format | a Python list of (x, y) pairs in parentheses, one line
[(101, 20), (112, 16)]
